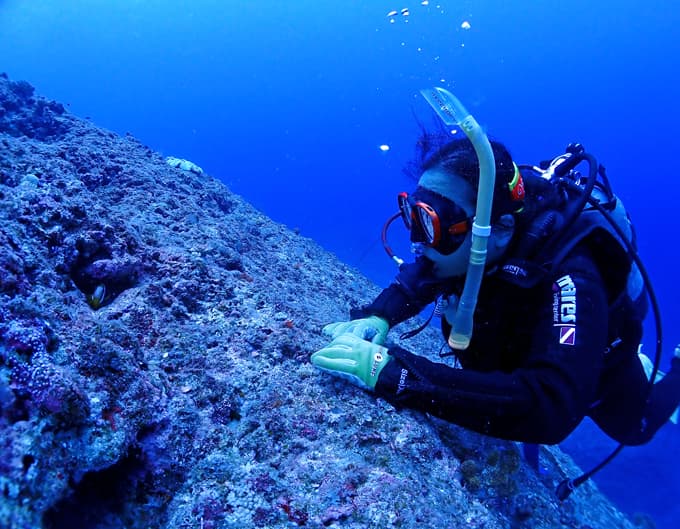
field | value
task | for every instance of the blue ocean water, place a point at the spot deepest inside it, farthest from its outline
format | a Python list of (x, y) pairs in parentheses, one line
[(289, 103)]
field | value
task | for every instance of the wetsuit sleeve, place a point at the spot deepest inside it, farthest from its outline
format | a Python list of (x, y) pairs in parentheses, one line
[(547, 396), (411, 291)]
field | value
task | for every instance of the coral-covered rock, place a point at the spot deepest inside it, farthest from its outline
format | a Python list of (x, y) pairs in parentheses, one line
[(23, 115), (154, 363)]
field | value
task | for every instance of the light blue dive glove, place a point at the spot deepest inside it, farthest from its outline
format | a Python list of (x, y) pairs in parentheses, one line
[(353, 359), (374, 329)]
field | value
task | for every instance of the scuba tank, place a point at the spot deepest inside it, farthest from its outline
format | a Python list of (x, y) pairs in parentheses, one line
[(564, 209)]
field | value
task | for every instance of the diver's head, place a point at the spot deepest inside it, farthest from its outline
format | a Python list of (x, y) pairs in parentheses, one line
[(439, 213)]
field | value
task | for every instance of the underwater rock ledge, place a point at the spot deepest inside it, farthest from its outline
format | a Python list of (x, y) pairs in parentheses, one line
[(155, 333)]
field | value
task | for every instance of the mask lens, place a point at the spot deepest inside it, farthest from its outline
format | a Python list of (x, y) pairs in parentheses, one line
[(405, 209), (422, 220), (427, 222)]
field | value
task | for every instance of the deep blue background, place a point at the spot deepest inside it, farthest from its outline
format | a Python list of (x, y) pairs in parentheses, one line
[(288, 102)]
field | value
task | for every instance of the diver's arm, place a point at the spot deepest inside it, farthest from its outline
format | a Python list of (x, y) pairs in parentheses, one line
[(411, 291), (541, 402)]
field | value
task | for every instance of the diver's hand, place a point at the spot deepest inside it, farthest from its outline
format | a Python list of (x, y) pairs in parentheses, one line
[(354, 359), (374, 329)]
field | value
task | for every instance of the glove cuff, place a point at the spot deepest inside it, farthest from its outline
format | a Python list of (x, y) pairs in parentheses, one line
[(394, 377), (379, 359)]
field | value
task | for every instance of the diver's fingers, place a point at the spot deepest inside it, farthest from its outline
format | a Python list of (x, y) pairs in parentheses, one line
[(336, 329)]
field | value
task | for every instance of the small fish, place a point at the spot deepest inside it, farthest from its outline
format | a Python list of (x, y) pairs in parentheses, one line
[(392, 13), (405, 12), (96, 299)]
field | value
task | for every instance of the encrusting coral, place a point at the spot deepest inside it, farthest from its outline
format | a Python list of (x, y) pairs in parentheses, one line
[(155, 333)]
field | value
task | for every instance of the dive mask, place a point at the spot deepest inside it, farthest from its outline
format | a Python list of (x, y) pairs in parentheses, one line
[(434, 221)]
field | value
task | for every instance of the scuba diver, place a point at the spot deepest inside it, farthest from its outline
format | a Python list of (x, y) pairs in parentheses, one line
[(541, 295)]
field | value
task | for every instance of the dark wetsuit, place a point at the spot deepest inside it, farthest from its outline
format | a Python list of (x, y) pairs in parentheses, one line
[(540, 358)]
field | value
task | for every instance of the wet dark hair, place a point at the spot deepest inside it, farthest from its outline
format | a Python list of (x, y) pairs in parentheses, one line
[(457, 156)]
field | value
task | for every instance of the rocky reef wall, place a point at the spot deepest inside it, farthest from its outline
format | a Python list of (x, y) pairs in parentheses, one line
[(155, 331)]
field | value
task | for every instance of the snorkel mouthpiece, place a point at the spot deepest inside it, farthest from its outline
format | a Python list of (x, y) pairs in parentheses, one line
[(452, 112)]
